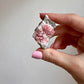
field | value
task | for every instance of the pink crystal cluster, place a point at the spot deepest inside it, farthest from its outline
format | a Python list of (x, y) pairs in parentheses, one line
[(43, 33)]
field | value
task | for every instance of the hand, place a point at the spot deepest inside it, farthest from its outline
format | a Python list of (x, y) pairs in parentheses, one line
[(70, 32)]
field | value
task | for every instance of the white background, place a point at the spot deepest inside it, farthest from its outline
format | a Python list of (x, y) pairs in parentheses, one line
[(18, 19)]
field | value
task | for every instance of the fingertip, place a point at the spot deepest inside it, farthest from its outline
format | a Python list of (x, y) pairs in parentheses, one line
[(37, 55), (42, 15)]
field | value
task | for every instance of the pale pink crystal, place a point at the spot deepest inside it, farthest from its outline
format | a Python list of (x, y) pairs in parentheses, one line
[(44, 32), (48, 30)]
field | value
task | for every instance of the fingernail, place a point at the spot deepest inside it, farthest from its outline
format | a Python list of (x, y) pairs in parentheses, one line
[(37, 55), (52, 45)]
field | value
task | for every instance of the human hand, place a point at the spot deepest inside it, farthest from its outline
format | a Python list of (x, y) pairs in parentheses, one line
[(70, 32)]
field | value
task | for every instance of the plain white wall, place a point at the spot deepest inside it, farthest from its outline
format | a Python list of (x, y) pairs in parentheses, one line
[(18, 19)]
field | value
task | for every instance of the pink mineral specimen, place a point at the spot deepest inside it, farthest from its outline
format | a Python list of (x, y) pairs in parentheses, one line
[(43, 33)]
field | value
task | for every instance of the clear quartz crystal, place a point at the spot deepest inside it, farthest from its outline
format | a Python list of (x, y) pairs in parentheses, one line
[(44, 31)]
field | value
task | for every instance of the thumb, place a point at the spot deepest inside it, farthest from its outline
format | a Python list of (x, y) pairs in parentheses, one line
[(55, 57)]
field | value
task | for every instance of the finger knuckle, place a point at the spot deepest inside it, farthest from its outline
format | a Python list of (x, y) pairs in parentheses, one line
[(71, 18), (48, 53), (73, 14)]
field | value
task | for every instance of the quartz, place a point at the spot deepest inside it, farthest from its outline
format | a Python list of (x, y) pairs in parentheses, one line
[(44, 31)]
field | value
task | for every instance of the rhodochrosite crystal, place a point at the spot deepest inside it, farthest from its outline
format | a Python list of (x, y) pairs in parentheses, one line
[(44, 31)]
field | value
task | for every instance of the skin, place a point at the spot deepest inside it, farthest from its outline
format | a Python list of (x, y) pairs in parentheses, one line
[(70, 32)]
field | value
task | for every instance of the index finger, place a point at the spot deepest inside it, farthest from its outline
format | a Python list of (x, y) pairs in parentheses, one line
[(72, 20)]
